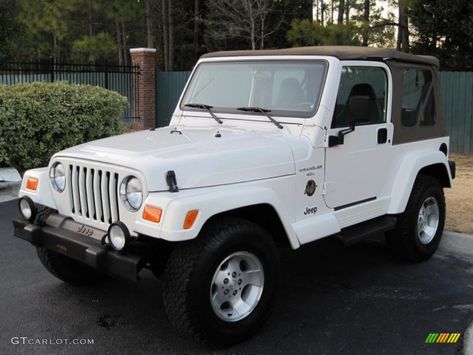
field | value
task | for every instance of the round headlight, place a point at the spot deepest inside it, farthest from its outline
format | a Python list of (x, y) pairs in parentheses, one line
[(27, 208), (118, 235), (57, 174), (131, 193)]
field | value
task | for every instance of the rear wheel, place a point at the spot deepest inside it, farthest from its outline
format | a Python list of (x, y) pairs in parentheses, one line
[(67, 269), (420, 227), (220, 287)]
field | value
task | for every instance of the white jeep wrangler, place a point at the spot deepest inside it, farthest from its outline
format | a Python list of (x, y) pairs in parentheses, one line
[(266, 149)]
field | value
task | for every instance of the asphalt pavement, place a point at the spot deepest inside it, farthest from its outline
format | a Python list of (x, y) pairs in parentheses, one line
[(333, 300)]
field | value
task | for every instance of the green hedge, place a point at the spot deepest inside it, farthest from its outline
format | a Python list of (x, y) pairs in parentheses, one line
[(40, 119)]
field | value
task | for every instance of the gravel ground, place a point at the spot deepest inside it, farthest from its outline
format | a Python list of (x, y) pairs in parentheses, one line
[(460, 197)]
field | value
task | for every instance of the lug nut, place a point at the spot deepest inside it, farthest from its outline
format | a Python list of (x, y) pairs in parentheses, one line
[(235, 292), (234, 274), (239, 281), (225, 281), (225, 292)]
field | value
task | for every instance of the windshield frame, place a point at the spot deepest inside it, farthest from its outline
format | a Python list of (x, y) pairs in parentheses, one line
[(276, 113)]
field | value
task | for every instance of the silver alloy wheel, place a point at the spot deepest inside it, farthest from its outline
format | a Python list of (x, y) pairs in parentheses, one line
[(428, 220), (237, 286)]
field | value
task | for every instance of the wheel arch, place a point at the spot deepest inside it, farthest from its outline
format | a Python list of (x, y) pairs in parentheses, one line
[(438, 171), (262, 214), (430, 163)]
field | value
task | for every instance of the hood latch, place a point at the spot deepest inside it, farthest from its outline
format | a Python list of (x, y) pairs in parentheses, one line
[(171, 181)]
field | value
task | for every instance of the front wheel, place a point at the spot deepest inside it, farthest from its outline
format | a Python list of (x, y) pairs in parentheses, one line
[(220, 287), (420, 227)]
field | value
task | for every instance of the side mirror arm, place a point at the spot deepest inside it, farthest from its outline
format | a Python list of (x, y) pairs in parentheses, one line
[(340, 138)]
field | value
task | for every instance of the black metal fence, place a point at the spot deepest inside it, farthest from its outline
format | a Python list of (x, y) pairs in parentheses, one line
[(119, 78)]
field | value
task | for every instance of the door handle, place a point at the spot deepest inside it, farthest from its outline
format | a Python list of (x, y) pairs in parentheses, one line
[(382, 135)]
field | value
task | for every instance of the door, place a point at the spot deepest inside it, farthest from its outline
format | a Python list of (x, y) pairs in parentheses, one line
[(356, 169)]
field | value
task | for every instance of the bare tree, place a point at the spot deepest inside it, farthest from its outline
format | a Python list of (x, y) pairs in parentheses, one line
[(243, 19)]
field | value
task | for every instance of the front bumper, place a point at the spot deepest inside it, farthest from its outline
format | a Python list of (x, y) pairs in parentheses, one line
[(79, 247)]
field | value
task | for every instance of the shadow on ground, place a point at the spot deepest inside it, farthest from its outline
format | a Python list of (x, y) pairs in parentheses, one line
[(333, 300)]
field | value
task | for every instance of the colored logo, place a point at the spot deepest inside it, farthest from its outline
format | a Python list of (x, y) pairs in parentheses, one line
[(442, 338), (310, 187)]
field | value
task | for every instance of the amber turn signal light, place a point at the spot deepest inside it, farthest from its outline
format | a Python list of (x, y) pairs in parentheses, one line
[(32, 183), (152, 214), (190, 219)]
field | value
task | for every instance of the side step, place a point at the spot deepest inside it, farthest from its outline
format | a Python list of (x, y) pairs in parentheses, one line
[(357, 233)]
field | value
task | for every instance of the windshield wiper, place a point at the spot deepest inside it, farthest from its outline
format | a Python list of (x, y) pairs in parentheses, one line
[(205, 107), (264, 111)]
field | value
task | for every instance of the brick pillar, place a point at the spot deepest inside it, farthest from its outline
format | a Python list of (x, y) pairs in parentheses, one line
[(145, 87)]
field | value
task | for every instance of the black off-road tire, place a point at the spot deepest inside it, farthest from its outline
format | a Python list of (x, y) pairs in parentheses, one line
[(188, 278), (67, 269), (403, 241)]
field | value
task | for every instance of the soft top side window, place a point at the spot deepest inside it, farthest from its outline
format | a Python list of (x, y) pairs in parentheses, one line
[(418, 102), (362, 96)]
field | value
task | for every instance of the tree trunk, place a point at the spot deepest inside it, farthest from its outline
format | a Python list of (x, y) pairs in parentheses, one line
[(262, 32), (149, 24), (171, 36), (316, 10), (165, 34), (341, 10), (403, 30), (196, 25), (119, 41), (332, 6), (366, 21), (91, 22), (252, 24), (347, 11), (55, 46), (125, 56), (322, 10)]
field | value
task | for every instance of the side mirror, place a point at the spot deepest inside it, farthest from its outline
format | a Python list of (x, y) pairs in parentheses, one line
[(334, 141)]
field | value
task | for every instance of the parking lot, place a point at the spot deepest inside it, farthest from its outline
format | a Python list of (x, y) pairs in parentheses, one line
[(333, 300)]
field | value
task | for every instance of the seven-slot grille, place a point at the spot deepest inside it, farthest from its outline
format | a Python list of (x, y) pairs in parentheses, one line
[(93, 193)]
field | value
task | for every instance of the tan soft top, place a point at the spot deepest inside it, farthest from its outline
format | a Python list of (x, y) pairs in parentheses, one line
[(340, 52)]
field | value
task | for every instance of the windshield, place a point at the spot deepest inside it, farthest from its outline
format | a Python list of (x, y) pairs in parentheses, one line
[(287, 88)]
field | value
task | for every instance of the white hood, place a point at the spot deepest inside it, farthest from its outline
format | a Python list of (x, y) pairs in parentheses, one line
[(197, 155)]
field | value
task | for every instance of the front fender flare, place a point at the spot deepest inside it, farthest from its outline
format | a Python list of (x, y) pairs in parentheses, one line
[(216, 200)]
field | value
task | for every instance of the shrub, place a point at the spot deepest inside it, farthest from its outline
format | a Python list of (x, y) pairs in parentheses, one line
[(39, 119)]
